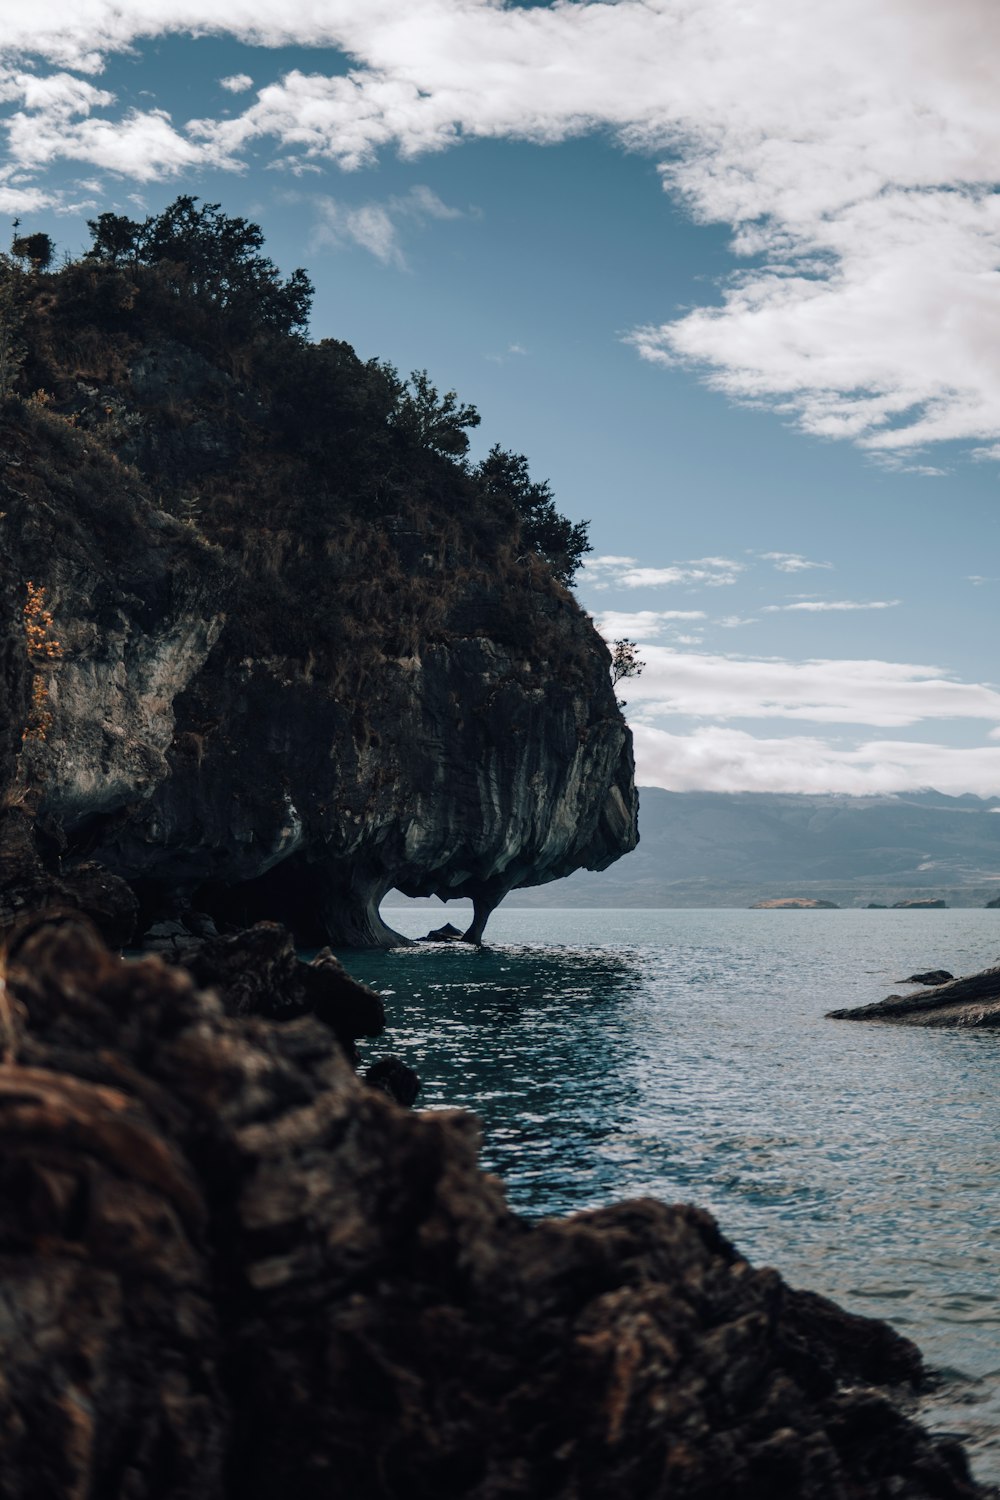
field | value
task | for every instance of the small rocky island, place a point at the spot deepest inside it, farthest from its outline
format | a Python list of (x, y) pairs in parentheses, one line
[(270, 645), (794, 903)]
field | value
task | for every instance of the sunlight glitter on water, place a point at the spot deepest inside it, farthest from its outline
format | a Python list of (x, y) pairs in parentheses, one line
[(686, 1054)]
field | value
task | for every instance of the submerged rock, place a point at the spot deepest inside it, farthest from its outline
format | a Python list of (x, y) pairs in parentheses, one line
[(233, 1272), (395, 1078), (932, 976)]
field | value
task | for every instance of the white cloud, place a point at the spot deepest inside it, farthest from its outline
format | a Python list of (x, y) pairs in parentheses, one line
[(733, 622), (719, 759), (512, 351), (375, 227), (625, 572), (792, 562), (608, 562), (886, 694), (644, 624), (236, 83), (820, 606), (17, 200), (852, 148), (143, 145)]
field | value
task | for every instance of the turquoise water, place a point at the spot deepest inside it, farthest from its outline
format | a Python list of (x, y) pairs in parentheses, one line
[(685, 1054)]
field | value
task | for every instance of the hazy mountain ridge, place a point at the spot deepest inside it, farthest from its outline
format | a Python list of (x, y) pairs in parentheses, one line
[(733, 848)]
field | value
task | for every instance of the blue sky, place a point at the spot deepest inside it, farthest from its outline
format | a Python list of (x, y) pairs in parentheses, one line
[(726, 273)]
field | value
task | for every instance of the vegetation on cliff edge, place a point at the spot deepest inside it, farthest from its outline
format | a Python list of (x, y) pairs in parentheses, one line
[(175, 346)]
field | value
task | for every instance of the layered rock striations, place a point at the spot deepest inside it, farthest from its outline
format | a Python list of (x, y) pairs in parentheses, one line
[(299, 657)]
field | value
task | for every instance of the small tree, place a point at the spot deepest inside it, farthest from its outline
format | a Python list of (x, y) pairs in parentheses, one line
[(435, 422), (114, 239), (36, 249), (625, 663), (505, 479), (213, 257)]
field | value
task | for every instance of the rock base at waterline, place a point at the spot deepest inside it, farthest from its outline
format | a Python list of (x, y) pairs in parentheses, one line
[(971, 1001), (230, 1269)]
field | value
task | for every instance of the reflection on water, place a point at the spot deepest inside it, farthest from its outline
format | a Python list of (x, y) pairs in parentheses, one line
[(533, 1040), (686, 1054)]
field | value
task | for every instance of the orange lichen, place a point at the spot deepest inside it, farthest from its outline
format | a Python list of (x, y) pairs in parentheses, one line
[(43, 646)]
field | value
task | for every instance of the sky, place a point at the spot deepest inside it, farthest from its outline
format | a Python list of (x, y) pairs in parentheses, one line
[(726, 271)]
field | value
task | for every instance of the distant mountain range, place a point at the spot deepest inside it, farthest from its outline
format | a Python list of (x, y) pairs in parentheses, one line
[(732, 849)]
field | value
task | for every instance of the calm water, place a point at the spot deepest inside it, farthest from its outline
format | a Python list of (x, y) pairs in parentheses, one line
[(685, 1054)]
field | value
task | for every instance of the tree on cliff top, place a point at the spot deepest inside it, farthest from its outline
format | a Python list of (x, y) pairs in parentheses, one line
[(210, 256), (563, 543), (351, 433)]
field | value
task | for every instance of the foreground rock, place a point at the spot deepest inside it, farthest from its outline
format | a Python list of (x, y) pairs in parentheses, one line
[(228, 1269), (973, 1000)]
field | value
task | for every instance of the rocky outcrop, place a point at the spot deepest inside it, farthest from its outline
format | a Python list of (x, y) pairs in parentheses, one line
[(199, 749), (231, 1270), (973, 1000)]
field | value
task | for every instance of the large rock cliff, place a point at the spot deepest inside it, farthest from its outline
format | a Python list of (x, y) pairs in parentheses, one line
[(283, 667)]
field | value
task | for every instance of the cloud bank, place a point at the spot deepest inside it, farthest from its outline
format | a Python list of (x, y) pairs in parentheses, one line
[(878, 693), (854, 150), (721, 759)]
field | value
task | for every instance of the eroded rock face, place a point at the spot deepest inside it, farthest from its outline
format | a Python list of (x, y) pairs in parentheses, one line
[(188, 758), (231, 1270)]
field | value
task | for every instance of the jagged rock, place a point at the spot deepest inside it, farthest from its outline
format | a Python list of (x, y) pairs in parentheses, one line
[(395, 1078), (170, 939), (28, 884), (932, 976), (449, 933), (259, 973), (972, 1000), (230, 1271)]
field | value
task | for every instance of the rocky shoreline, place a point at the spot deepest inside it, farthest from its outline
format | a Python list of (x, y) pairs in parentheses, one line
[(230, 1268)]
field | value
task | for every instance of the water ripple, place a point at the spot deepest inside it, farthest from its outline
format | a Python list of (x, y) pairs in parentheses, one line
[(685, 1054)]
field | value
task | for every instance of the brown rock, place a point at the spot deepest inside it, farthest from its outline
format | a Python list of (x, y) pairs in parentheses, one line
[(228, 1269)]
